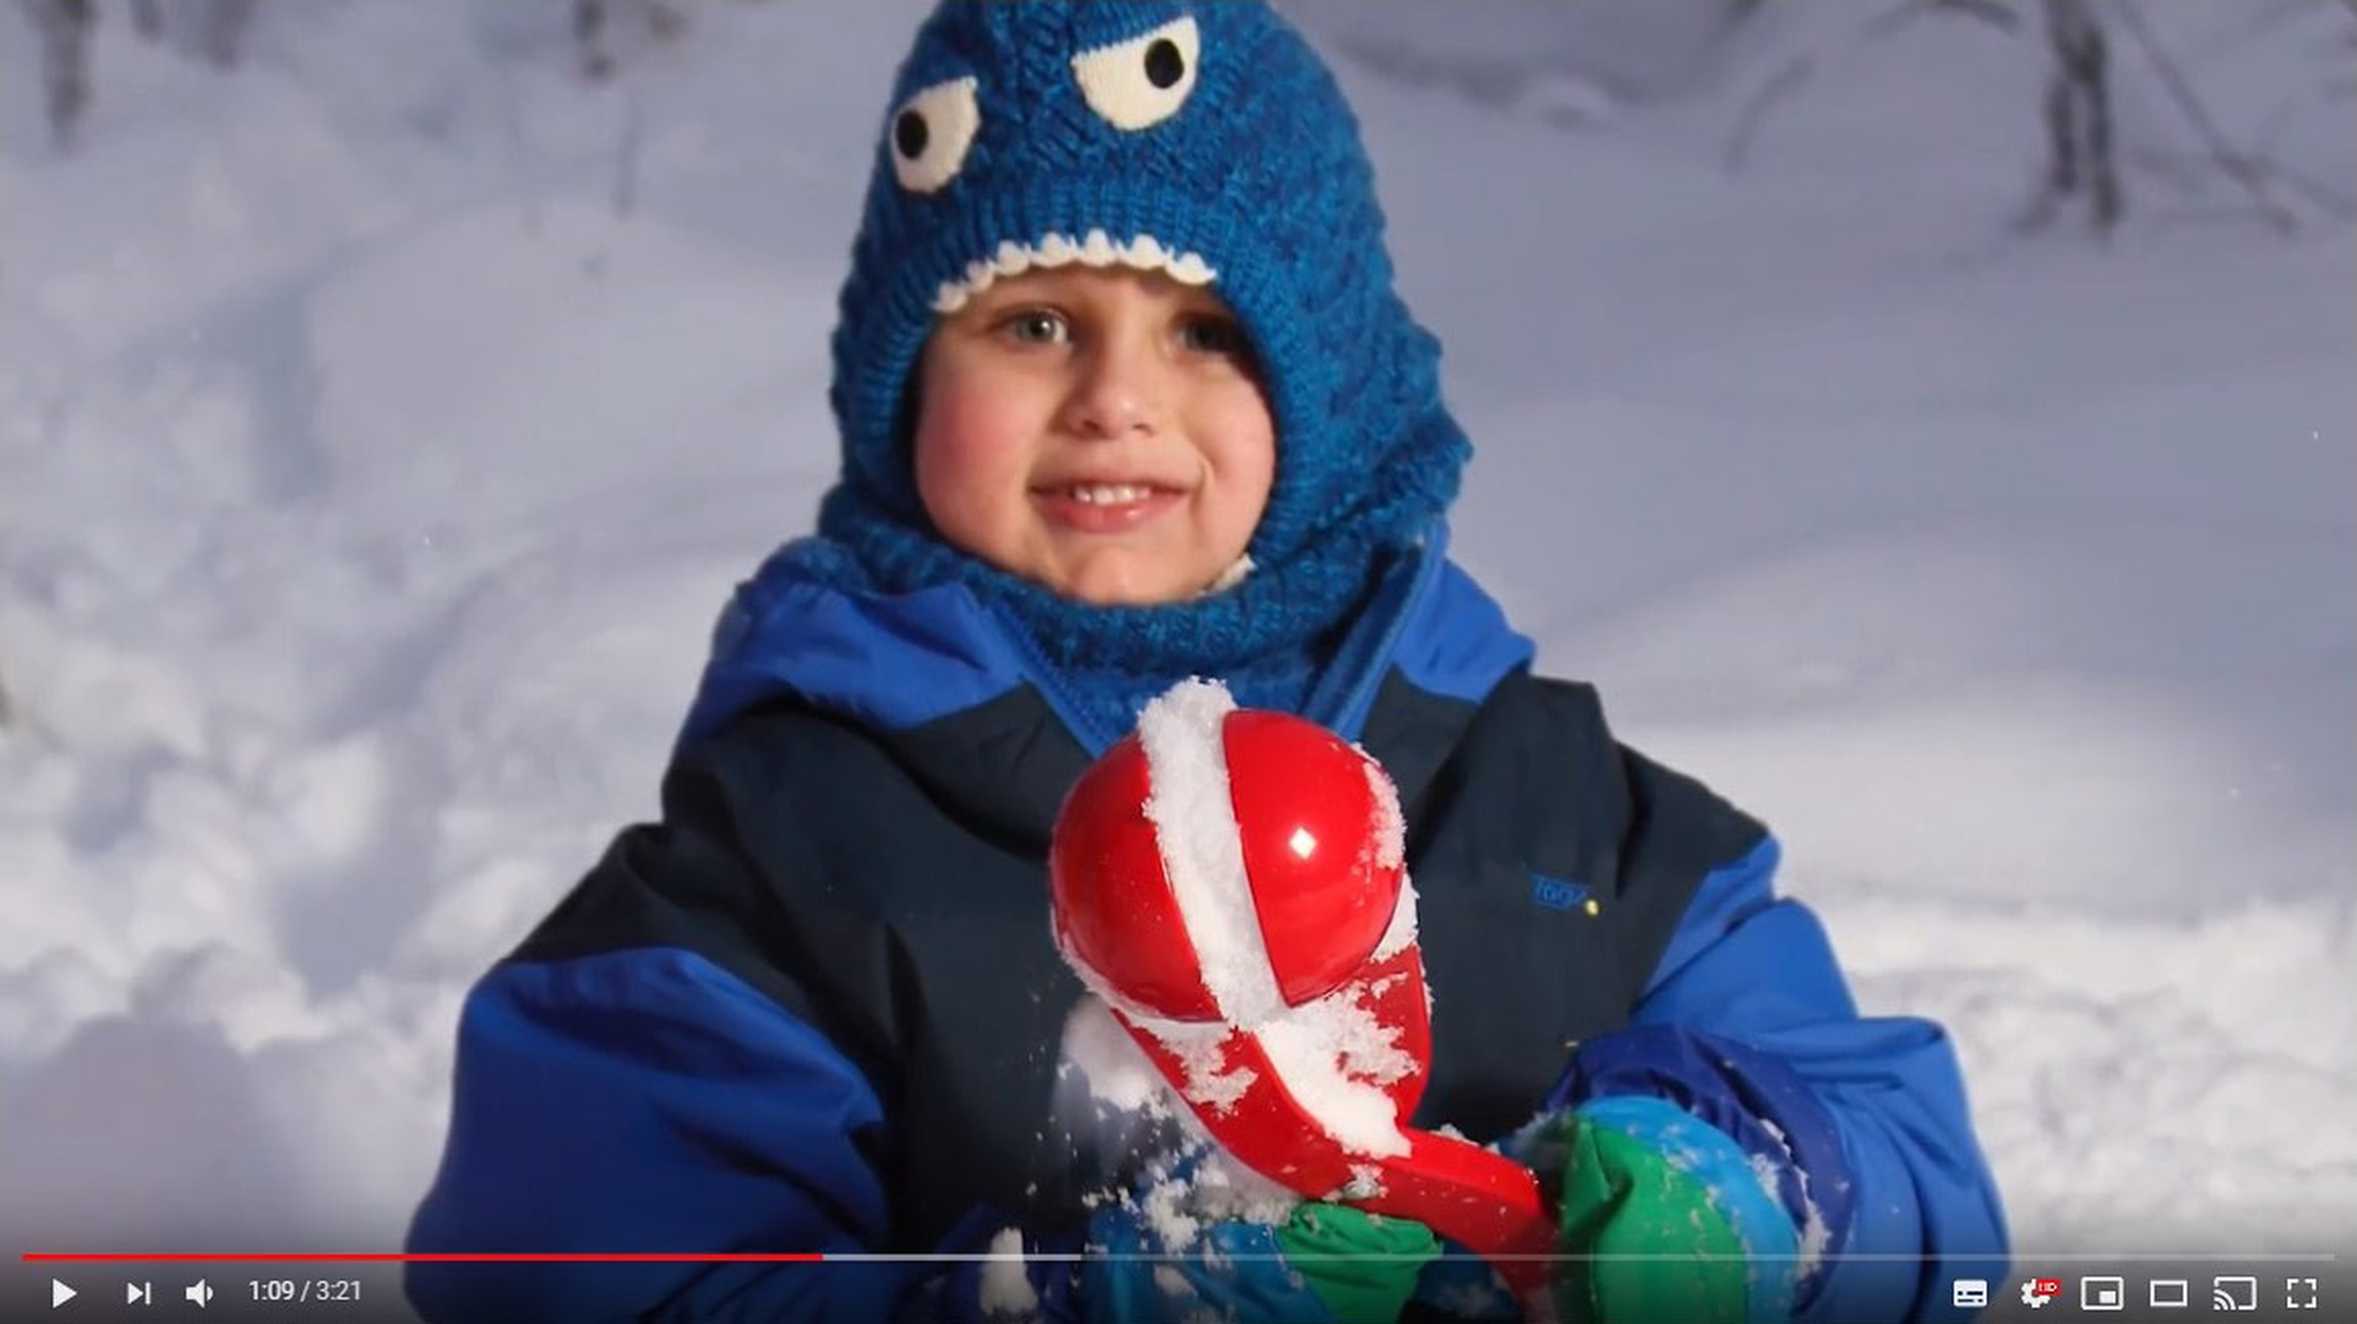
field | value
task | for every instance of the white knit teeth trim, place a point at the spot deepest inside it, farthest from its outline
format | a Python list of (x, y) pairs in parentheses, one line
[(1141, 253)]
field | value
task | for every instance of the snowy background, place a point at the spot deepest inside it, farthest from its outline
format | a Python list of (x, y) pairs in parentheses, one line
[(382, 424)]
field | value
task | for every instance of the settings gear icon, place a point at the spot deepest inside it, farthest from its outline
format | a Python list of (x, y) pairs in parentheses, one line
[(2036, 1292)]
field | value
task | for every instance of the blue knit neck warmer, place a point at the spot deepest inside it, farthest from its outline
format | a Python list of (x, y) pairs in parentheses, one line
[(1205, 141)]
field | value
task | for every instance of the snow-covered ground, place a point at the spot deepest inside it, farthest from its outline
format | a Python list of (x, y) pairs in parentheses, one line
[(382, 425)]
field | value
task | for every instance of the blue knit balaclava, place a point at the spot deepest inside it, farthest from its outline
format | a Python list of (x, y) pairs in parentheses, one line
[(1203, 140)]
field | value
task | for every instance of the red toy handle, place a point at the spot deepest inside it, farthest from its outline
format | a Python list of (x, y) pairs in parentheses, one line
[(1479, 1199)]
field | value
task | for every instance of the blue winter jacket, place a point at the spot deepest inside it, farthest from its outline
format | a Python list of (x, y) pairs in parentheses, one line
[(816, 1008)]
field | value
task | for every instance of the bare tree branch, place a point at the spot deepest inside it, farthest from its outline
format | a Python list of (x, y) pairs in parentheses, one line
[(593, 29), (2190, 171), (589, 26), (1795, 73), (2077, 114), (2258, 19), (1895, 19), (226, 22), (64, 27), (2319, 193), (1783, 83), (1996, 13), (2234, 163)]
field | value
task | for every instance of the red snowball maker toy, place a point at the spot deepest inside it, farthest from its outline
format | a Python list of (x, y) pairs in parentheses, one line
[(1231, 882)]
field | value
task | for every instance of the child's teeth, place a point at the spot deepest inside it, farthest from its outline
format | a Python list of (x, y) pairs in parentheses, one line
[(1110, 495)]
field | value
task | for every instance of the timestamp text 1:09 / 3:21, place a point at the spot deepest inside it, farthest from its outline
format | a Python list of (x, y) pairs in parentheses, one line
[(299, 1291)]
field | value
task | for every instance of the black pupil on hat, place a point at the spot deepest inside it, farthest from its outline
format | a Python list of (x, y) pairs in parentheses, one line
[(908, 133), (1164, 64)]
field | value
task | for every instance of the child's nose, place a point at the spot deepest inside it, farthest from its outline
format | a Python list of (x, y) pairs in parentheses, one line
[(1119, 391)]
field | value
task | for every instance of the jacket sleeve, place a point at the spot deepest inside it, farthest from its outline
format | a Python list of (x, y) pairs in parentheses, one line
[(645, 1100), (1858, 1125), (641, 1076)]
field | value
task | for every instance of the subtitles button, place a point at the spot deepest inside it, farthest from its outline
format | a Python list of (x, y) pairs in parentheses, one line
[(1969, 1293)]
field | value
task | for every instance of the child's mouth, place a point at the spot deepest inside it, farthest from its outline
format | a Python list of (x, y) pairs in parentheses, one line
[(1105, 507)]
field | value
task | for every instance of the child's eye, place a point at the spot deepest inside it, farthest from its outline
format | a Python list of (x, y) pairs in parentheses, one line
[(1035, 326), (1214, 335)]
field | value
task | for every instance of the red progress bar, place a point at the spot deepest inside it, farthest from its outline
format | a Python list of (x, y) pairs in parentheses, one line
[(400, 1257)]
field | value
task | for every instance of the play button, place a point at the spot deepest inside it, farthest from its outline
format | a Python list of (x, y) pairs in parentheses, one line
[(59, 1294)]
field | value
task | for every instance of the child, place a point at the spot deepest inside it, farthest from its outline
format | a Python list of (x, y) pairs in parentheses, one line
[(1126, 396)]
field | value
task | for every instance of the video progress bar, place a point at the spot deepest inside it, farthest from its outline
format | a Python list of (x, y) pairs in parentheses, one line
[(1055, 1257), (426, 1257)]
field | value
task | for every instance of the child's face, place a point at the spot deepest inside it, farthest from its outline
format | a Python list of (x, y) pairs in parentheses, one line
[(1097, 431)]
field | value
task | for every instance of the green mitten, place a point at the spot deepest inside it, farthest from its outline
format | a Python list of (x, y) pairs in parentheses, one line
[(1622, 1197), (1384, 1255), (1667, 1217)]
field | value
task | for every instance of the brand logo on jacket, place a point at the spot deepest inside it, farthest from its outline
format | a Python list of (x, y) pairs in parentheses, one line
[(1561, 893)]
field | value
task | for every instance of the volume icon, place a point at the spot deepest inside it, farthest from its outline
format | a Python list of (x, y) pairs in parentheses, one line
[(199, 1294)]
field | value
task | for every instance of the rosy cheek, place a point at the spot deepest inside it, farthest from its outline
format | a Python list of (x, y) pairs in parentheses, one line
[(969, 455), (1250, 455)]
